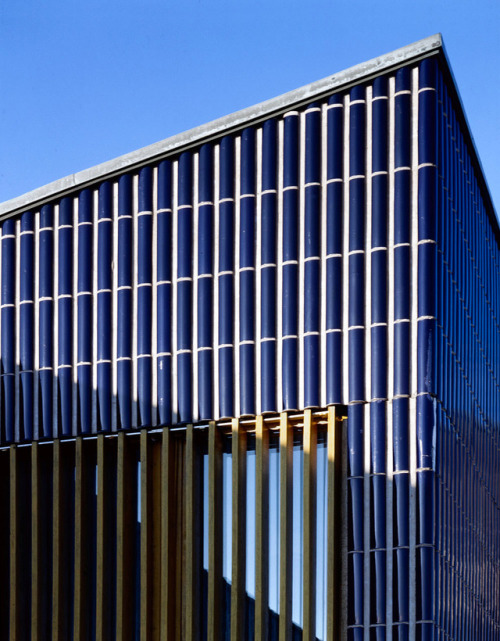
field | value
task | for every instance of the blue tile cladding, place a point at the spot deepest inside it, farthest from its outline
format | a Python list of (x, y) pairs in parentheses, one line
[(85, 310), (465, 274), (104, 302), (340, 252), (65, 331), (45, 314), (26, 324), (124, 304)]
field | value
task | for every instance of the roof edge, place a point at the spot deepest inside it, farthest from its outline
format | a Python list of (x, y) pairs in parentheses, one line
[(469, 136), (236, 120)]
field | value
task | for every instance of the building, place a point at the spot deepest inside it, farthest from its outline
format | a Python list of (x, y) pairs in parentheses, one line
[(250, 377)]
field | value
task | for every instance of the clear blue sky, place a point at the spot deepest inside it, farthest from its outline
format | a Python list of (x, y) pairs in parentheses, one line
[(81, 83)]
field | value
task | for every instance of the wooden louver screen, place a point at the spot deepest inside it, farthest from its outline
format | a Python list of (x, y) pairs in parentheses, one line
[(122, 537)]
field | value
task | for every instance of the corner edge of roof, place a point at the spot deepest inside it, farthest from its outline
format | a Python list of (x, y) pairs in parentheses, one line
[(162, 149), (476, 158)]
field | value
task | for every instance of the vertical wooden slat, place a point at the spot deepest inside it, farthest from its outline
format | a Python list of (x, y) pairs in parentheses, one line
[(192, 501), (155, 519), (146, 587), (4, 541), (15, 593), (80, 571), (24, 540), (37, 575), (57, 609), (286, 514), (84, 489), (238, 592), (331, 610), (169, 611), (180, 520), (261, 529), (101, 592), (334, 435), (125, 525), (150, 541), (215, 533), (342, 516), (105, 537), (62, 471), (310, 441)]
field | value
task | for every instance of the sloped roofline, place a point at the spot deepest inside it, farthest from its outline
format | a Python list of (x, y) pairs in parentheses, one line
[(469, 138), (427, 47), (251, 115)]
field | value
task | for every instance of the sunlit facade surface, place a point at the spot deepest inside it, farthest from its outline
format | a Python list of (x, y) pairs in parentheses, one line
[(250, 378)]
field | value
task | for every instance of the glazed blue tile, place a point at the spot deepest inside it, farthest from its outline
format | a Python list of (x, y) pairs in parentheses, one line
[(226, 385), (184, 388), (356, 350), (247, 379), (164, 369), (205, 384), (379, 378), (269, 154), (311, 371), (334, 368), (268, 373), (290, 373)]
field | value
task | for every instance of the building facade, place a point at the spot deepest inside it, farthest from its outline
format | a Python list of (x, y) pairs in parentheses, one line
[(250, 377)]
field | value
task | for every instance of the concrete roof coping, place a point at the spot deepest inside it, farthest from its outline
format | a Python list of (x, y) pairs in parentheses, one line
[(251, 115)]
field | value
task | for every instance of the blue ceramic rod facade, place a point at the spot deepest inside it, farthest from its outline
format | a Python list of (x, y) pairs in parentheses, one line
[(26, 324), (466, 382), (244, 276)]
